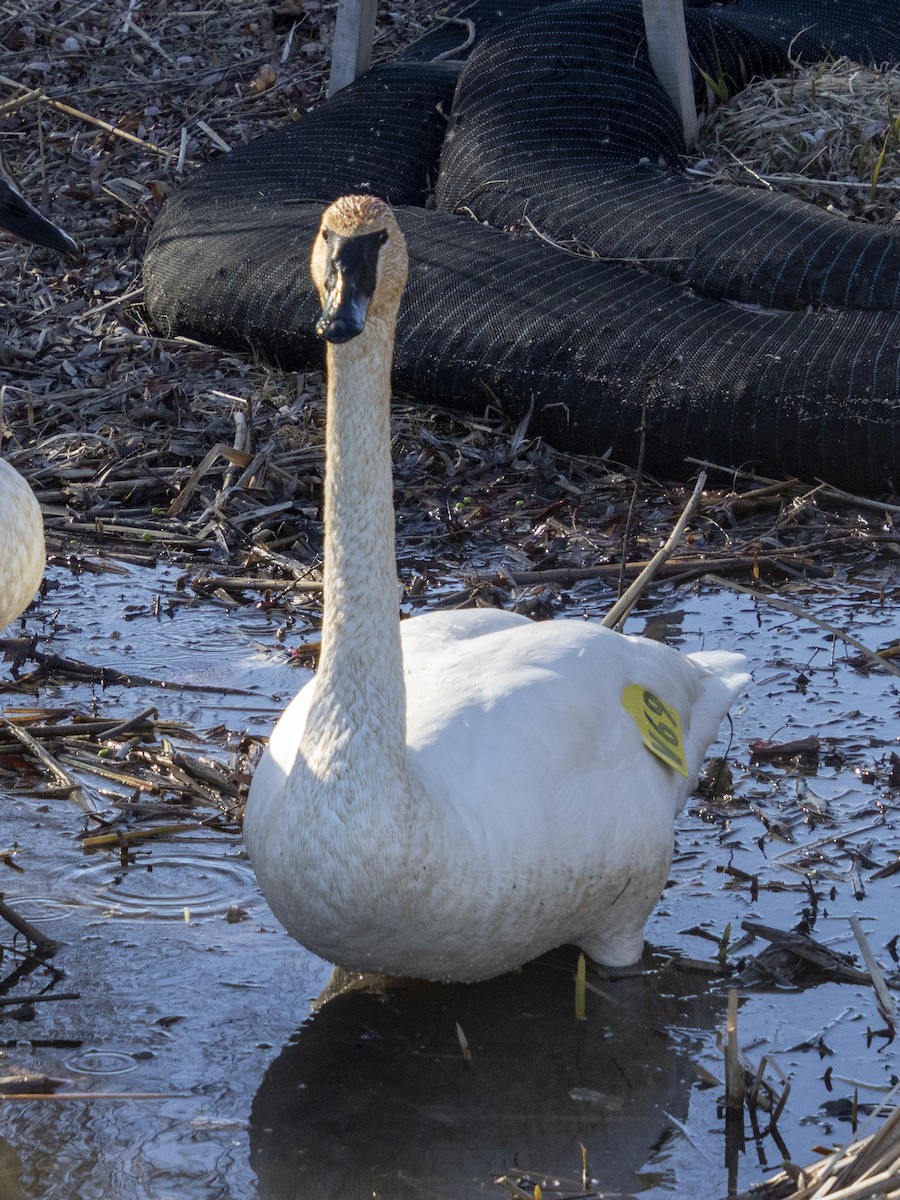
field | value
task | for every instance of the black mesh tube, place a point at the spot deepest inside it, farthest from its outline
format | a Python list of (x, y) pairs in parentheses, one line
[(559, 128)]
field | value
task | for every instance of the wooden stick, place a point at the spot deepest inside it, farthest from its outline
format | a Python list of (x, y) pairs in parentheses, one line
[(90, 728), (626, 602), (883, 996), (136, 835), (41, 998), (95, 1096), (671, 59), (83, 116), (777, 602), (40, 941), (56, 770), (242, 583), (148, 715), (834, 493), (354, 33), (734, 1072)]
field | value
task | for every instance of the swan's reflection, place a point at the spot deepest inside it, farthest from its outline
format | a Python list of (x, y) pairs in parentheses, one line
[(375, 1099)]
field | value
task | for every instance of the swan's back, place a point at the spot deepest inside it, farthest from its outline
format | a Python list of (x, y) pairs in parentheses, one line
[(543, 816), (547, 698)]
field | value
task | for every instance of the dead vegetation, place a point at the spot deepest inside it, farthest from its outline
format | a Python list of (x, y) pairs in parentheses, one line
[(829, 134), (866, 1168)]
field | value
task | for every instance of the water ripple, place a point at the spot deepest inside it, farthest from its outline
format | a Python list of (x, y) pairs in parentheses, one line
[(201, 880)]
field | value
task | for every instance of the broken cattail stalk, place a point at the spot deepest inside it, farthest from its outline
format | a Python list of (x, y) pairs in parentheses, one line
[(59, 772), (753, 1097), (883, 997), (464, 1044), (734, 1072), (626, 602), (580, 989), (135, 835)]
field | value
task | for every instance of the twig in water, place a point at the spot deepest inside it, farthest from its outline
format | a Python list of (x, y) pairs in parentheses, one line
[(42, 944), (734, 1071), (883, 997), (95, 1096), (136, 835), (623, 606), (59, 772), (42, 997), (777, 602), (126, 726)]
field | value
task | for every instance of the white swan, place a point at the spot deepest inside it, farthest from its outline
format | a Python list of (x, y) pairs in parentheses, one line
[(460, 792), (22, 553)]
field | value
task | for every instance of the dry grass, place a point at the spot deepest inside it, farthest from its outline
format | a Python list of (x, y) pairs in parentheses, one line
[(829, 135), (863, 1170)]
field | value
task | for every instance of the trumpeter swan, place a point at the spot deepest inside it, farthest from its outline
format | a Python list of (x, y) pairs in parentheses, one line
[(455, 794), (21, 528)]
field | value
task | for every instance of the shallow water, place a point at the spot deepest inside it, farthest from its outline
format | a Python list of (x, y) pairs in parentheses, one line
[(203, 1073)]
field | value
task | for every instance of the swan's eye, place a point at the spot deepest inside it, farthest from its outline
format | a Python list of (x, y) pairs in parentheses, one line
[(382, 237), (324, 235)]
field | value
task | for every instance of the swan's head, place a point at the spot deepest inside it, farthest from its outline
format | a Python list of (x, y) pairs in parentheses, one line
[(359, 266), (21, 220)]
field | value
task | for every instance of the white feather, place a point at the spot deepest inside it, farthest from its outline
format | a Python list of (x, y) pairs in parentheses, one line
[(22, 553)]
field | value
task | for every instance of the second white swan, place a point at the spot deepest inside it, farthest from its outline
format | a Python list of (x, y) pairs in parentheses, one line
[(22, 554)]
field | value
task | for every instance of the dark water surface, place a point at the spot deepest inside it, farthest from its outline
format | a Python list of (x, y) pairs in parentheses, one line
[(208, 1077)]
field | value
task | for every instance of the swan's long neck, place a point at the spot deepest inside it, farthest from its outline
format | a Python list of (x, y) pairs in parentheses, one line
[(360, 697)]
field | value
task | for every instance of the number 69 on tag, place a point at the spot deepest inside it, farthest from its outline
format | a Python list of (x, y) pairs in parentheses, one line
[(659, 726)]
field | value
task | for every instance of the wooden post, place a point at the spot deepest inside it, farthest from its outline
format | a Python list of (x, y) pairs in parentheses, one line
[(354, 33), (671, 60)]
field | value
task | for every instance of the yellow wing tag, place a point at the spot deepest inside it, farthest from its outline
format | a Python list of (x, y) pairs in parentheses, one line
[(659, 724)]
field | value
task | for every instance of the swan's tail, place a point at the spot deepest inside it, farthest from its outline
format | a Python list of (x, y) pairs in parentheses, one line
[(725, 675)]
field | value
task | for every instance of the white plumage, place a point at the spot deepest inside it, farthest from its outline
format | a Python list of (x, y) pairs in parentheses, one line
[(457, 793), (22, 553)]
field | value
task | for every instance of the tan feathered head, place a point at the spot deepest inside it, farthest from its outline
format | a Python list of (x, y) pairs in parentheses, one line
[(359, 266)]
